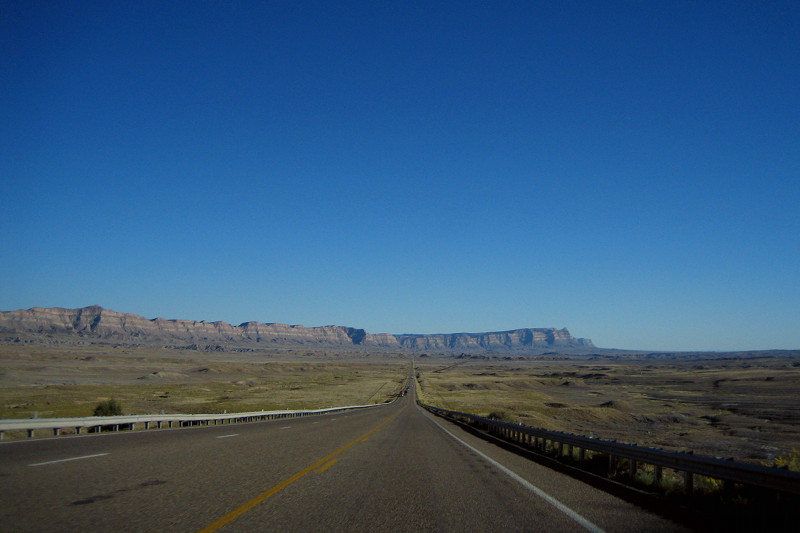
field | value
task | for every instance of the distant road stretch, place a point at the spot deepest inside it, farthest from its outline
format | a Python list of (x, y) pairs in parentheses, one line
[(388, 468)]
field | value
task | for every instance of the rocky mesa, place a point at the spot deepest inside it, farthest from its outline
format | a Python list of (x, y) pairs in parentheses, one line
[(96, 324)]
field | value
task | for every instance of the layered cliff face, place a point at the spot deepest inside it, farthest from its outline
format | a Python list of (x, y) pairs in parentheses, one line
[(63, 325), (492, 342)]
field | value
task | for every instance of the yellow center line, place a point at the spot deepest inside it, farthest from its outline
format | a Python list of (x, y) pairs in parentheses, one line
[(285, 483), (326, 466)]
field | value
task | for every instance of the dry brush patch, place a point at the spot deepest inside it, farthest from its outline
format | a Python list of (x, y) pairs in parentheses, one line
[(741, 408)]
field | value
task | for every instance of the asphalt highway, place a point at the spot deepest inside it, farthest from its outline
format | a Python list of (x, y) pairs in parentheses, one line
[(388, 468)]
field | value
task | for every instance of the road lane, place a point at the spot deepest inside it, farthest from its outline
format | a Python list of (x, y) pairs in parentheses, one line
[(180, 478), (320, 465), (407, 477), (389, 467)]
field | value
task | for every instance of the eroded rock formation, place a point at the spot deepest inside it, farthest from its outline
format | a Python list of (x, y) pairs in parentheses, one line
[(95, 323)]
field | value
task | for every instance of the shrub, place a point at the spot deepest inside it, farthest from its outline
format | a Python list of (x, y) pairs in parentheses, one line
[(789, 461), (502, 416), (108, 408)]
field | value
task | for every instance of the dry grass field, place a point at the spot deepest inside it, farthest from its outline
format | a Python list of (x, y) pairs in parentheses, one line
[(64, 381), (747, 409)]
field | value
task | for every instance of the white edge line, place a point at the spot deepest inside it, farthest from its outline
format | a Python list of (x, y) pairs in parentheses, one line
[(536, 490), (226, 436), (70, 459), (286, 427)]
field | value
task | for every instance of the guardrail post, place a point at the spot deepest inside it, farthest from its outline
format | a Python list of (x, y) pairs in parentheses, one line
[(56, 431), (1, 435), (146, 424), (30, 433), (688, 483), (632, 470), (656, 475), (569, 451), (612, 464), (581, 454)]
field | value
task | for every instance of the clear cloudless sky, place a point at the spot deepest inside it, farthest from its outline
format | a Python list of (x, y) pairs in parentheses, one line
[(628, 170)]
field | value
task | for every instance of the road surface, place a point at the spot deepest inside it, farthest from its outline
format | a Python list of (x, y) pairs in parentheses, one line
[(388, 468)]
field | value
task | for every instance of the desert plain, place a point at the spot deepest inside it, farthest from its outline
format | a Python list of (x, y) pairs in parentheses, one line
[(747, 409), (69, 381)]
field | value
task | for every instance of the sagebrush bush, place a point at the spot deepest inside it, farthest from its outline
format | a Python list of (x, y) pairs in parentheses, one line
[(108, 408)]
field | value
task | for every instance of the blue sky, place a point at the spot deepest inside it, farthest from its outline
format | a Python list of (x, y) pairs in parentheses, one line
[(629, 170)]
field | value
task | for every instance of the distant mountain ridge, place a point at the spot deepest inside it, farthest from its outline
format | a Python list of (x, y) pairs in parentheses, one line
[(94, 323)]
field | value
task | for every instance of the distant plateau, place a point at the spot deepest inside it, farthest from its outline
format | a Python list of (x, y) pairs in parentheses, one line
[(95, 324)]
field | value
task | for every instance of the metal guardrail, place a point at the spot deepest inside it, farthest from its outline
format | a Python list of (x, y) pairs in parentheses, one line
[(764, 477), (115, 423)]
